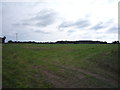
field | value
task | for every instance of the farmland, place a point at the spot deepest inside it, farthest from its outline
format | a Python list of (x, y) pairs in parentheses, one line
[(60, 65)]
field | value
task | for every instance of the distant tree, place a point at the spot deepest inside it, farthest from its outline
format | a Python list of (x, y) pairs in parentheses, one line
[(115, 42), (10, 41)]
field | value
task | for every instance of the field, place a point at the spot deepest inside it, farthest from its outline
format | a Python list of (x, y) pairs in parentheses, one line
[(60, 66)]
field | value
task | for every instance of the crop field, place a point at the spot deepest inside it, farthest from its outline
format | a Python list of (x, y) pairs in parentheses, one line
[(60, 66)]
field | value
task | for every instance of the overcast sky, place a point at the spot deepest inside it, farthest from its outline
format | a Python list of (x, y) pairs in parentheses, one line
[(53, 20)]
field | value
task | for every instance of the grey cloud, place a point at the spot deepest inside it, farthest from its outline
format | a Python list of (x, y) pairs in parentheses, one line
[(41, 31), (21, 24), (102, 25), (113, 30), (71, 31), (66, 24), (41, 19), (82, 23), (98, 26), (44, 14), (79, 24), (45, 18)]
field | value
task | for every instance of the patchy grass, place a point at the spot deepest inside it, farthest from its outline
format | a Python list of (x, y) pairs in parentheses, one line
[(60, 65)]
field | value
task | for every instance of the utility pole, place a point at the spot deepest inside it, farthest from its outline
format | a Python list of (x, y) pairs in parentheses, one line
[(16, 36)]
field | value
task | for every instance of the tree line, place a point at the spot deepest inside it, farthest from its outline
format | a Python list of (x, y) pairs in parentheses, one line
[(66, 42)]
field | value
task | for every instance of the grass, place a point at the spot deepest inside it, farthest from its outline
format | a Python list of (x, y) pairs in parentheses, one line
[(60, 65)]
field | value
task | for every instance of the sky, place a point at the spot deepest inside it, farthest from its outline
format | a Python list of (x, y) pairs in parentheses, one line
[(56, 20)]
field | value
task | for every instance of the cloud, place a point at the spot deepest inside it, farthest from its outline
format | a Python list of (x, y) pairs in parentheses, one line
[(113, 30), (81, 23), (41, 19), (41, 31), (98, 26), (66, 24), (45, 18), (71, 31), (21, 24)]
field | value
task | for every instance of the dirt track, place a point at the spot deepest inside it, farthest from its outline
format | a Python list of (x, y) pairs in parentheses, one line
[(73, 80)]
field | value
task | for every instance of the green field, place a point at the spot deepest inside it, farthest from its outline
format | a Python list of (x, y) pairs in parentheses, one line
[(60, 66)]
